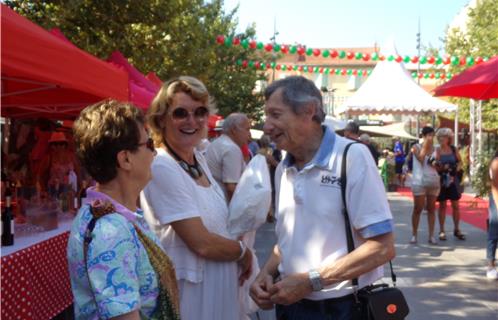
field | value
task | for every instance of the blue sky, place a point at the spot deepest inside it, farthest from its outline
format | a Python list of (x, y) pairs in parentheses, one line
[(349, 23)]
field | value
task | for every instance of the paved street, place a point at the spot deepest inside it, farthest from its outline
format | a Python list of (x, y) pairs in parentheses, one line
[(443, 282)]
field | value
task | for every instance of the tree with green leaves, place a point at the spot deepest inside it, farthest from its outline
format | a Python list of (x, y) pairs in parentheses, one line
[(478, 40), (168, 37)]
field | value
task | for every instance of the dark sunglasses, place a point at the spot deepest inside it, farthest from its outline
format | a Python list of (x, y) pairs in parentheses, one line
[(149, 144), (182, 113)]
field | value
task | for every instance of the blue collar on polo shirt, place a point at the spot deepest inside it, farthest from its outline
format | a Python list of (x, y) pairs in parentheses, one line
[(322, 156)]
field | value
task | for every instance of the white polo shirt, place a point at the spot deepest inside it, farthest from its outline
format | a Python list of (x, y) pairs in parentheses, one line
[(225, 161), (310, 222)]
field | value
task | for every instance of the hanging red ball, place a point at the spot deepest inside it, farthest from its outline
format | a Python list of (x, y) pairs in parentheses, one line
[(278, 67), (350, 55), (420, 75), (268, 47), (310, 69), (301, 51), (316, 52), (364, 73), (443, 76), (300, 68), (366, 56), (343, 72), (479, 60), (382, 57), (334, 54), (431, 60), (252, 44), (245, 63), (398, 59), (257, 64), (320, 70), (431, 76), (463, 61), (446, 60), (290, 67), (284, 48), (414, 59), (220, 39), (236, 41), (355, 72)]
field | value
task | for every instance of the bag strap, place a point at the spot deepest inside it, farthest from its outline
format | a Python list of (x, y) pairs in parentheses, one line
[(349, 233)]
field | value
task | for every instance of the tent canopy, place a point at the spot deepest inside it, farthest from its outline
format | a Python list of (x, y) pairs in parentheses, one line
[(479, 82), (392, 130), (391, 90), (45, 76)]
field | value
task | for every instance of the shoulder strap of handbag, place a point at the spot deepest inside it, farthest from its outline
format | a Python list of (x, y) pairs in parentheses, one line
[(349, 233)]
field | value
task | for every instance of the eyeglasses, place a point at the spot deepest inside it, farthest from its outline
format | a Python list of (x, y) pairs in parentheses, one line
[(181, 113), (149, 144)]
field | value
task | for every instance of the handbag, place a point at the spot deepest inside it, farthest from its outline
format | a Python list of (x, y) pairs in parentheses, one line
[(373, 302)]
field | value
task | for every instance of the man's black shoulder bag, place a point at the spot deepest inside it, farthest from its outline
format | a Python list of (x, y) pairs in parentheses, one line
[(374, 302)]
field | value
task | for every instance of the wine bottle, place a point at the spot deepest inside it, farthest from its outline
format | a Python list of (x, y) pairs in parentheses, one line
[(8, 220)]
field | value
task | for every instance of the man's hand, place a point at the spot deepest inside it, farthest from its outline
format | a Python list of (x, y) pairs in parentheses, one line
[(245, 265), (260, 291), (291, 289)]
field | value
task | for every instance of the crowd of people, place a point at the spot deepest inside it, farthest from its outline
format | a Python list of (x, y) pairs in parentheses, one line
[(152, 240)]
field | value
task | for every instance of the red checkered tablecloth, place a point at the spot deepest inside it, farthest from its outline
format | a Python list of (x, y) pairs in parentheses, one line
[(35, 281)]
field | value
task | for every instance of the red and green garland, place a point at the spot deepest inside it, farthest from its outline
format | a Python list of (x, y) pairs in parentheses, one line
[(337, 71), (350, 55)]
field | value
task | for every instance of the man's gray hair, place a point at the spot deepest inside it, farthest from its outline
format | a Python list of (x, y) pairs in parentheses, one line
[(297, 92), (233, 120), (365, 138)]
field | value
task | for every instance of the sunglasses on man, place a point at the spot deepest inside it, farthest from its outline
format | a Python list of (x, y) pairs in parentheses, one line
[(180, 113)]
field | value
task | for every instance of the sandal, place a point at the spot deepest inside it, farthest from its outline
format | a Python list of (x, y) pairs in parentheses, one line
[(442, 236), (459, 235), (413, 240), (432, 241)]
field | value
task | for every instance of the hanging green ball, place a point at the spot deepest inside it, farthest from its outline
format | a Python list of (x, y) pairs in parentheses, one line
[(426, 76), (470, 61), (369, 72), (337, 71), (260, 45), (277, 48), (449, 75), (325, 53), (245, 43), (309, 52), (349, 72), (342, 54), (414, 74), (406, 59), (326, 71), (390, 58), (284, 67), (423, 60), (358, 55), (454, 60), (273, 65), (228, 41), (316, 69), (439, 60), (438, 75), (295, 68), (251, 64), (375, 56), (262, 66), (239, 62), (293, 49)]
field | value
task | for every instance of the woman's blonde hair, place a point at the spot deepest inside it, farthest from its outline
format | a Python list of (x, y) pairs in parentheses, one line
[(444, 132), (162, 101)]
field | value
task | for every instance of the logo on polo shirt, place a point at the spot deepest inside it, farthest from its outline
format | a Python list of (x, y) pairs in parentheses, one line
[(330, 181)]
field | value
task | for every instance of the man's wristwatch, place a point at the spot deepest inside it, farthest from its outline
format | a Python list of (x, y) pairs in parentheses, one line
[(316, 281)]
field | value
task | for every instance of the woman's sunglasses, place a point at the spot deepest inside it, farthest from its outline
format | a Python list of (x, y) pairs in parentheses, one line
[(181, 113), (149, 144)]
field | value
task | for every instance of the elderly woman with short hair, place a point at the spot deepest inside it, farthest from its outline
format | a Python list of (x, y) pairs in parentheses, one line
[(448, 164), (187, 209), (117, 267)]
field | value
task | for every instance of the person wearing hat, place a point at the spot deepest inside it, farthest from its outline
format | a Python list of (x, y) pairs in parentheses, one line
[(57, 165)]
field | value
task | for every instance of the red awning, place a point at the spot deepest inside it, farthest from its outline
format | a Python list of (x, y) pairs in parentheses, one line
[(44, 76), (479, 82)]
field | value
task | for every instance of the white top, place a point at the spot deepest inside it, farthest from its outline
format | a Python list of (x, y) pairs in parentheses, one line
[(422, 169), (225, 160), (310, 222), (172, 195)]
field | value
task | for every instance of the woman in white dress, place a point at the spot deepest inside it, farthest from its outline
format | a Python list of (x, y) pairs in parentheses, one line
[(187, 209)]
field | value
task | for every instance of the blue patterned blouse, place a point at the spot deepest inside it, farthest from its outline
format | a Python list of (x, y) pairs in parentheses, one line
[(122, 278)]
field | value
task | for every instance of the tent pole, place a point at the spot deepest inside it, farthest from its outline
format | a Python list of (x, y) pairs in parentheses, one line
[(456, 139), (472, 150), (479, 127), (417, 127)]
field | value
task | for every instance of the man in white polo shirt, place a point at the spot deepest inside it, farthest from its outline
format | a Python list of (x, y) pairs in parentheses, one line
[(224, 156), (308, 275)]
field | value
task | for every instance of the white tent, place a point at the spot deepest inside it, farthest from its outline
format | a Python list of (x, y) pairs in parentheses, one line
[(390, 89), (392, 130), (334, 123)]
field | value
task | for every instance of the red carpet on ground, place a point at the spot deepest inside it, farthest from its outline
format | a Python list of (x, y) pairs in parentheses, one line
[(472, 210)]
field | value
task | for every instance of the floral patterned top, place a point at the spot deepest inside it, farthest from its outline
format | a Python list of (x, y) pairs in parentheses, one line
[(121, 275)]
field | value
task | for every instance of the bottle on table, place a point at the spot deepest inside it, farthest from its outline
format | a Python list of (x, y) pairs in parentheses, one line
[(8, 220)]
